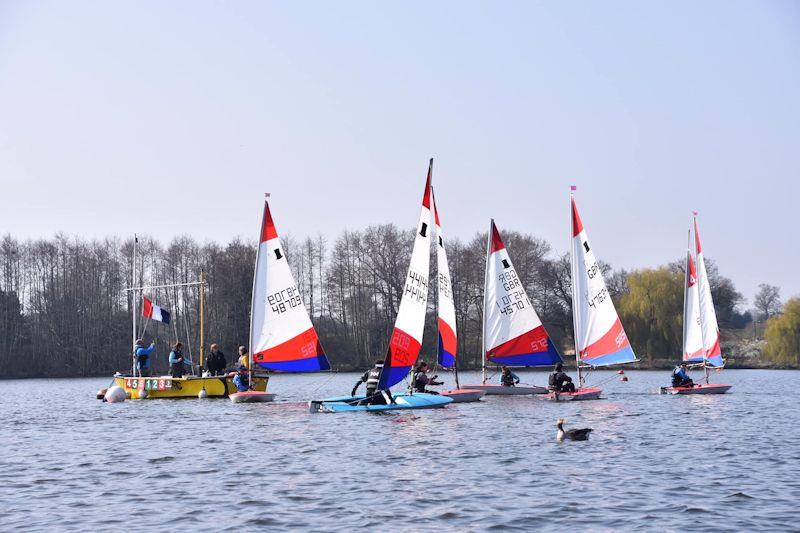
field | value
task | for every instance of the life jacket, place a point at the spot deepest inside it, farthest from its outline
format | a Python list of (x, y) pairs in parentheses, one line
[(420, 382), (551, 381), (373, 377), (143, 356), (507, 380)]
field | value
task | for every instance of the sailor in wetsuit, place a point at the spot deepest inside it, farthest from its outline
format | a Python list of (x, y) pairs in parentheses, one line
[(508, 378), (680, 378), (421, 379), (559, 381), (371, 377)]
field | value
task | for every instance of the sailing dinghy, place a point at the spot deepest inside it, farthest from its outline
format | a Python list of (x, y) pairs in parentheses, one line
[(282, 337), (406, 340), (513, 334), (700, 330), (600, 339), (446, 317)]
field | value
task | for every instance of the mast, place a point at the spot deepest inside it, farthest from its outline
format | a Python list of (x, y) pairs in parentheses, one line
[(133, 306), (574, 292), (483, 312), (202, 317)]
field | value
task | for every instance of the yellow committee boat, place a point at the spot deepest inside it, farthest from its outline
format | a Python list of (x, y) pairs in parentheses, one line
[(150, 388)]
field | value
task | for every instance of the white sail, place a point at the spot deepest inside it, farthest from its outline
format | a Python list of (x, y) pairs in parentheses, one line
[(692, 332), (446, 310), (281, 334), (599, 337), (406, 340), (708, 316)]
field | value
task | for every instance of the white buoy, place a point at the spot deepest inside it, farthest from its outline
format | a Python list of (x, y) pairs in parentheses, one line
[(115, 394), (143, 394), (202, 394)]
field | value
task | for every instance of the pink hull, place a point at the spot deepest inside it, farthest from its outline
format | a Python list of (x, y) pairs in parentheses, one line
[(252, 396), (587, 393), (464, 395), (499, 390), (706, 388)]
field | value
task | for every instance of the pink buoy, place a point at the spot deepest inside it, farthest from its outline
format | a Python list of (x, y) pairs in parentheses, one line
[(624, 378), (621, 372)]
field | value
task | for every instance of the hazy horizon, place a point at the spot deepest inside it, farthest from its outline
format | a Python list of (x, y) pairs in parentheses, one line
[(170, 119)]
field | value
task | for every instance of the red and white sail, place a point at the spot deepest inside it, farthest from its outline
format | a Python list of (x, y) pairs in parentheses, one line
[(692, 332), (599, 336), (708, 316), (406, 339), (281, 334), (512, 331), (446, 309)]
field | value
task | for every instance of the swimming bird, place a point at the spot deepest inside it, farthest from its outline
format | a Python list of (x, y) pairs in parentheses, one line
[(571, 434)]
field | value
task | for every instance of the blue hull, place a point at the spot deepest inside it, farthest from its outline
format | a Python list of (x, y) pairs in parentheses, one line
[(343, 404)]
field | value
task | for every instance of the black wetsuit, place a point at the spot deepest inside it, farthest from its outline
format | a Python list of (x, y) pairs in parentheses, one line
[(421, 381), (371, 377), (560, 382)]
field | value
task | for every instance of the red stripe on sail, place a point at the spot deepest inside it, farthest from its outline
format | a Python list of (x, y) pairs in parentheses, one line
[(497, 242), (435, 209), (268, 230), (699, 249), (403, 349), (303, 346), (691, 278), (577, 224), (449, 342), (715, 350), (531, 341), (426, 198), (614, 340)]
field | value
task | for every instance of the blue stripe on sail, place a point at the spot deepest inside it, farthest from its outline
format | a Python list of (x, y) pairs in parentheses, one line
[(694, 360), (715, 361), (312, 364), (391, 376), (624, 355), (546, 358), (446, 359)]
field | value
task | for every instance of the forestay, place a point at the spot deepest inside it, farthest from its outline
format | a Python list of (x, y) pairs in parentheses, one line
[(708, 317), (599, 337), (281, 334), (513, 333), (406, 339), (446, 308)]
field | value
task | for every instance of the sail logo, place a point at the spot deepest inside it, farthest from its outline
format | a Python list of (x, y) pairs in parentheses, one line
[(621, 338)]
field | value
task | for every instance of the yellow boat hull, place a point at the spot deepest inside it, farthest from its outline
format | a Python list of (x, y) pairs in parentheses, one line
[(186, 387)]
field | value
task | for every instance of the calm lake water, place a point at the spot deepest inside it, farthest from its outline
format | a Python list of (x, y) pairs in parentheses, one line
[(70, 462)]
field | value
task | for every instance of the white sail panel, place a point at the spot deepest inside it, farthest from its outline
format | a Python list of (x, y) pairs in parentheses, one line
[(708, 316), (599, 335), (692, 332), (446, 309)]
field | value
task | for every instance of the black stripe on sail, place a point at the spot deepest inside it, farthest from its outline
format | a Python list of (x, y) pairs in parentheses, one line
[(505, 264), (424, 229), (586, 245), (440, 242), (278, 253)]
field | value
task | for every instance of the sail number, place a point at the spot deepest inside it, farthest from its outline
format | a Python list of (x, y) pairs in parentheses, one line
[(598, 298), (285, 299), (416, 287), (445, 289)]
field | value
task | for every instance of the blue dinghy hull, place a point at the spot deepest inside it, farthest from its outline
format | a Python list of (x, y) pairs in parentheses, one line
[(343, 404)]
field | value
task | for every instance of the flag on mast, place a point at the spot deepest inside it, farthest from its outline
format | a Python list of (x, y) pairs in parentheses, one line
[(154, 312)]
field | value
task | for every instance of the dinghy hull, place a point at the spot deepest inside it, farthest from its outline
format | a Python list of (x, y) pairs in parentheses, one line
[(152, 388), (344, 404), (587, 393), (705, 388), (252, 396), (499, 390), (464, 395)]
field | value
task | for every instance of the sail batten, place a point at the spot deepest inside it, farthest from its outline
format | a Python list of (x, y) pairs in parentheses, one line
[(600, 339), (406, 340), (282, 337), (512, 331)]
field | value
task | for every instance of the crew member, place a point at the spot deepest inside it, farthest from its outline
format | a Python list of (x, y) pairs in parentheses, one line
[(216, 361), (244, 357), (559, 381), (508, 378), (143, 357), (680, 377), (422, 381), (242, 379), (176, 360), (371, 377)]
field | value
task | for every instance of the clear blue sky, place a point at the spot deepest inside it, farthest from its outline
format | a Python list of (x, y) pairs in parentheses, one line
[(653, 109)]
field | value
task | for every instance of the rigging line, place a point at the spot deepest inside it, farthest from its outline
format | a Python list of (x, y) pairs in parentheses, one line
[(333, 375)]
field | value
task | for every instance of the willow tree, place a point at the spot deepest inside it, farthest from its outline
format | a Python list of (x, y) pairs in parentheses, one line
[(783, 335), (652, 312)]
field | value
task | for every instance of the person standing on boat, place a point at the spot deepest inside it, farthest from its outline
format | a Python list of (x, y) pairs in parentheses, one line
[(559, 381), (244, 357), (422, 381), (508, 378), (216, 361), (242, 379), (371, 377), (143, 357), (176, 360), (680, 377)]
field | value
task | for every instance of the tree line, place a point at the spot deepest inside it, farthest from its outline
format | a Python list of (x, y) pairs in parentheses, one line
[(64, 310)]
